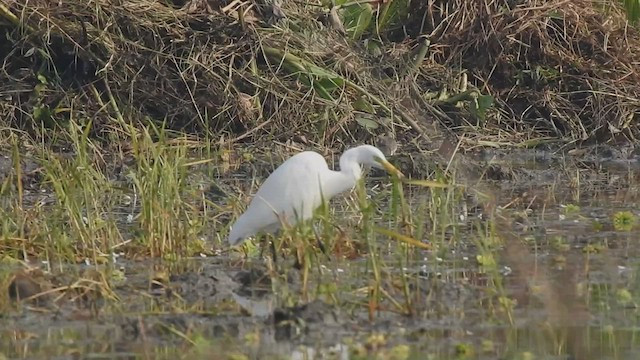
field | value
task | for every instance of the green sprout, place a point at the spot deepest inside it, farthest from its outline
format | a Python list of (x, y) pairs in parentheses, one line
[(624, 220)]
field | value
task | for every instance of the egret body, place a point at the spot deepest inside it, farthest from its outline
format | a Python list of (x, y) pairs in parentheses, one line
[(297, 188)]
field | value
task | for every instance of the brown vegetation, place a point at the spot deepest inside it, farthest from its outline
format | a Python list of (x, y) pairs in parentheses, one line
[(560, 69)]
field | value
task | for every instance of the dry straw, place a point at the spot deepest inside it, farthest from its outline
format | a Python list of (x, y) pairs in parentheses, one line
[(564, 69)]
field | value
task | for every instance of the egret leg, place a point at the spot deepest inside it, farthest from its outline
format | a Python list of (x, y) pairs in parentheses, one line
[(298, 265), (274, 253), (269, 241), (323, 249), (272, 248), (261, 244)]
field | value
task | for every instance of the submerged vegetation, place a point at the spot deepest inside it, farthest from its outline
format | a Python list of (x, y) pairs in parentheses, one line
[(133, 133)]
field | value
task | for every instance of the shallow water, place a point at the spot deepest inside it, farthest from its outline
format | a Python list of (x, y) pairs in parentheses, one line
[(564, 285)]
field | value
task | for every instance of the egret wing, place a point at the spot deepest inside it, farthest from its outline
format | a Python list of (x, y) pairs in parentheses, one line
[(291, 191)]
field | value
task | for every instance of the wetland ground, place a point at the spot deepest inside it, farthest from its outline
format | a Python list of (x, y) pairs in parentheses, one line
[(558, 280)]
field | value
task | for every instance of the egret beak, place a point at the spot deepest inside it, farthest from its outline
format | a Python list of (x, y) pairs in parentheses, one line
[(390, 168)]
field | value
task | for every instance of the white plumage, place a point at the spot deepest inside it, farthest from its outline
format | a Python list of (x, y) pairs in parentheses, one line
[(297, 187)]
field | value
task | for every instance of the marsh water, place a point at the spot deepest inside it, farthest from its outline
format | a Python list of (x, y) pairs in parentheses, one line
[(558, 280)]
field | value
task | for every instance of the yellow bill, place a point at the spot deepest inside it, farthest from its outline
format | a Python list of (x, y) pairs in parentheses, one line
[(390, 168)]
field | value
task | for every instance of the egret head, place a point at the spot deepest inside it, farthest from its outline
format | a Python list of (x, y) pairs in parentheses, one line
[(372, 156)]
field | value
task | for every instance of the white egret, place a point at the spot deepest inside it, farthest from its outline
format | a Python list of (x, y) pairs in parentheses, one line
[(298, 186)]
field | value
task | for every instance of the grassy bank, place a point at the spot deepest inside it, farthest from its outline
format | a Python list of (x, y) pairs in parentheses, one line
[(494, 71)]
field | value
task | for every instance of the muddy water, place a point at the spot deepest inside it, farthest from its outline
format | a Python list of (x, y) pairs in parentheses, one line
[(569, 290)]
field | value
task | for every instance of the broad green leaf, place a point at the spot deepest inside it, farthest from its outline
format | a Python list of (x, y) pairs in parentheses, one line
[(367, 122), (480, 106), (392, 12), (356, 19), (322, 91), (320, 72), (322, 80), (305, 79), (485, 101), (363, 104), (331, 83), (374, 47)]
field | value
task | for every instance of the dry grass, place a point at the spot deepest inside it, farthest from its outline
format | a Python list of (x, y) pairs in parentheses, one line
[(564, 69)]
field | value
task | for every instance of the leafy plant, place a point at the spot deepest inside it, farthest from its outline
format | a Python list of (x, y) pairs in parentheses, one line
[(624, 220), (372, 16), (357, 18)]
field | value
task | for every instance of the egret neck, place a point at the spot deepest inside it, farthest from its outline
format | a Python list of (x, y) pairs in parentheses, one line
[(350, 172)]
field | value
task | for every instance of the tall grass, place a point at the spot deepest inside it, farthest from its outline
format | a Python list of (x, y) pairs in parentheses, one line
[(167, 223), (84, 218), (82, 225)]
